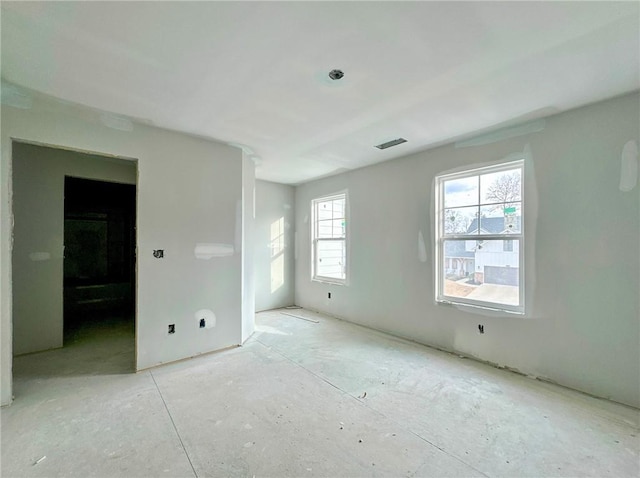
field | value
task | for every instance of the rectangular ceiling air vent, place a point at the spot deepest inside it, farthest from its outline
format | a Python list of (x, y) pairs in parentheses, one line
[(393, 142)]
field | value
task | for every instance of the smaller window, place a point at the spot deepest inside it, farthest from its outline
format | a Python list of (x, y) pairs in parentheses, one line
[(329, 238), (507, 246)]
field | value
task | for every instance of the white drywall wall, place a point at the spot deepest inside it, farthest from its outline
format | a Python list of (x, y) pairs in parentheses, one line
[(274, 245), (188, 192), (38, 208), (582, 327), (248, 220)]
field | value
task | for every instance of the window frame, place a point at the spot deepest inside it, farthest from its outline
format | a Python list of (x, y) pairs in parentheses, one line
[(441, 237), (315, 240)]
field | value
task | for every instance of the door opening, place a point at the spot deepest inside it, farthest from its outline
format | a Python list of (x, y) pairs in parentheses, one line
[(99, 259)]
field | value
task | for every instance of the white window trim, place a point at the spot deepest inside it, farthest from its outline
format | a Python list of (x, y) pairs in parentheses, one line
[(323, 279), (441, 298)]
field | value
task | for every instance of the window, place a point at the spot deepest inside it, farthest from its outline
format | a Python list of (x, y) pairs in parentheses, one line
[(329, 236), (479, 237), (507, 246)]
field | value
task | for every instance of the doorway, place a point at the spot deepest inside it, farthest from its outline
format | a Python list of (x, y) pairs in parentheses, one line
[(73, 263), (99, 261)]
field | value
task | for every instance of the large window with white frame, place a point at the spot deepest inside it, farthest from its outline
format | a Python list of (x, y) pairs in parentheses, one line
[(329, 238), (480, 237)]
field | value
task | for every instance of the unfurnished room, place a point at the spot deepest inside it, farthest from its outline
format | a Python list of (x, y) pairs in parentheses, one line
[(320, 239)]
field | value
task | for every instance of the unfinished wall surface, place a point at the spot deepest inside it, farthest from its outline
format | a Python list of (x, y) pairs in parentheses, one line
[(189, 192), (274, 245), (248, 220), (582, 243), (38, 208)]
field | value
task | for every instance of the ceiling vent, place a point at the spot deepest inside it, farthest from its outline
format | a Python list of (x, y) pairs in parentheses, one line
[(336, 74), (393, 142)]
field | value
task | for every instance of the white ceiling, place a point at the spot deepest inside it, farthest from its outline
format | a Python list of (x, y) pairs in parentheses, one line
[(255, 73)]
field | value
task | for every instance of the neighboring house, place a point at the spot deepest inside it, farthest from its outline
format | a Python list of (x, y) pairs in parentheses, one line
[(495, 262), (458, 261)]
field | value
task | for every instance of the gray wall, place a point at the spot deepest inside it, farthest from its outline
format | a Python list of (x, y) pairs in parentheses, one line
[(248, 223), (189, 192), (582, 326), (38, 208), (274, 268)]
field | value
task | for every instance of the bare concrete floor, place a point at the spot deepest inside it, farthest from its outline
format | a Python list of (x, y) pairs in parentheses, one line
[(303, 399)]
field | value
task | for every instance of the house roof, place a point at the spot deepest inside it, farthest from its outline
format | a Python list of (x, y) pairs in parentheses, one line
[(492, 225)]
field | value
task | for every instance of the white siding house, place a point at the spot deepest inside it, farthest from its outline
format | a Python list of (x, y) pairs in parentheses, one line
[(496, 261)]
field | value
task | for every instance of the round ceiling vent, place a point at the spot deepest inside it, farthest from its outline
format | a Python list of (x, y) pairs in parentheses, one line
[(336, 74)]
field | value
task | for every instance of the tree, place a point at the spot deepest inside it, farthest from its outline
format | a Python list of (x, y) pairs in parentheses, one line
[(455, 222), (505, 189)]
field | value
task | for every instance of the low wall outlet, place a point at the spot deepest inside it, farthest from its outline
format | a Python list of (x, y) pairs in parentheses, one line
[(205, 319)]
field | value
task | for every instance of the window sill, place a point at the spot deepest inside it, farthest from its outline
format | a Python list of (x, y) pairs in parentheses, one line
[(478, 308), (325, 280)]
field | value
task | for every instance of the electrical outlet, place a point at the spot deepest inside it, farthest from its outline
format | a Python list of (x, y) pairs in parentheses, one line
[(172, 328)]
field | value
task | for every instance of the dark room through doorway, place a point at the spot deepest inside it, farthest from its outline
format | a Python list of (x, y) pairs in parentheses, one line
[(99, 260)]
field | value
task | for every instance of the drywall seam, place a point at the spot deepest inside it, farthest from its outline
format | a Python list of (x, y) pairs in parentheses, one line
[(117, 122), (44, 144), (15, 96), (629, 166), (503, 134), (209, 250), (422, 248), (39, 256)]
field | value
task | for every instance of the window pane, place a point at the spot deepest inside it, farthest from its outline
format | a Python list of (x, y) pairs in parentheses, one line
[(513, 220), (461, 192), (501, 187), (499, 220), (330, 259), (338, 227), (325, 229), (324, 210), (332, 228), (330, 218), (485, 271), (461, 220)]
